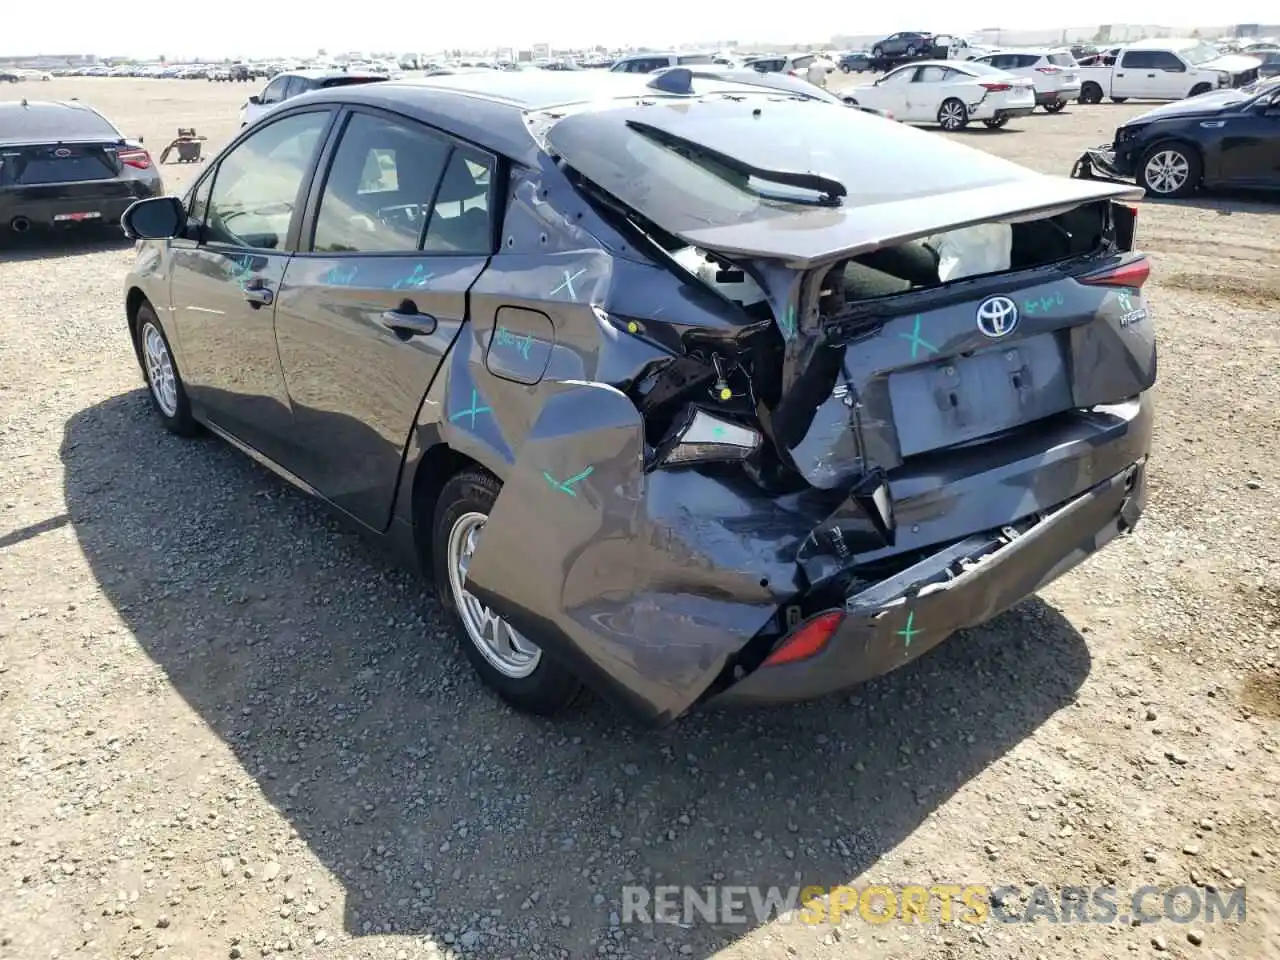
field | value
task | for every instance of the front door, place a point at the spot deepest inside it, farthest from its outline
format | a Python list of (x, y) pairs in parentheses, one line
[(226, 276), (926, 92), (890, 92), (1250, 145), (401, 231)]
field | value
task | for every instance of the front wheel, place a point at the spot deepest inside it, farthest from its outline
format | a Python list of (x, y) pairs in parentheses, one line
[(1170, 170), (1091, 93), (164, 382), (845, 68), (952, 115), (1056, 107), (508, 662), (995, 123), (1200, 88)]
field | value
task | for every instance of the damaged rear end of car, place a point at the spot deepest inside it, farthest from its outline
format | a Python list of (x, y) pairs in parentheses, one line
[(898, 386)]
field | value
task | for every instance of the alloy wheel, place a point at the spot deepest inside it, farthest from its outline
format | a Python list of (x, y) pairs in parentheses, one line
[(159, 365), (504, 647), (951, 116), (1167, 171)]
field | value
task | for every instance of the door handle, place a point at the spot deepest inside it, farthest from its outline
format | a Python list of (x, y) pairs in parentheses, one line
[(405, 321), (257, 293), (1151, 75)]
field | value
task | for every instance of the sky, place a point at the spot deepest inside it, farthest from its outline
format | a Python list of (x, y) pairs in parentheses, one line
[(186, 28)]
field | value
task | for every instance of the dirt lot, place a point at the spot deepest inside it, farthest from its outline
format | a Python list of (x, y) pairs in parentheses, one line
[(229, 729)]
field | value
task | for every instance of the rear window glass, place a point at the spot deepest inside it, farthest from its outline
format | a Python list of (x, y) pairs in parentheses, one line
[(1062, 60), (349, 81), (54, 123), (686, 190), (696, 58)]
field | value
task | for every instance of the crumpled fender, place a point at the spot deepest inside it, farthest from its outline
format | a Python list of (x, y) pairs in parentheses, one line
[(642, 582)]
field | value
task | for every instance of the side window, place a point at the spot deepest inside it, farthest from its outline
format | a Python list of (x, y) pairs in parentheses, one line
[(275, 90), (255, 189), (898, 76), (379, 187), (931, 75), (296, 86), (695, 58), (198, 208), (1164, 60), (802, 63), (1024, 60), (1138, 60), (461, 221)]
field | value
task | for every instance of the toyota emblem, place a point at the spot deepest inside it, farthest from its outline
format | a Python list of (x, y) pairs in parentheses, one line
[(62, 153), (997, 317)]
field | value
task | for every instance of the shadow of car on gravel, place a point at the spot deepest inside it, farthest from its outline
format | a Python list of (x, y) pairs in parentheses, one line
[(327, 672), (49, 245)]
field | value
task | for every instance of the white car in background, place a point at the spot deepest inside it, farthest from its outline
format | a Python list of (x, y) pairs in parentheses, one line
[(1055, 74), (950, 93)]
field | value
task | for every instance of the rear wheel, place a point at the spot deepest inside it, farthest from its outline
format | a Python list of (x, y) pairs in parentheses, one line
[(1170, 170), (995, 123), (1091, 93), (1055, 107), (952, 115), (164, 382), (507, 661)]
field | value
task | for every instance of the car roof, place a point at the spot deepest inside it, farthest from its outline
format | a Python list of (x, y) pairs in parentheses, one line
[(52, 119), (1167, 43), (326, 74), (492, 108)]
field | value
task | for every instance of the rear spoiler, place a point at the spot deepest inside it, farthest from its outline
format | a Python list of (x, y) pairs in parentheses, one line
[(811, 237)]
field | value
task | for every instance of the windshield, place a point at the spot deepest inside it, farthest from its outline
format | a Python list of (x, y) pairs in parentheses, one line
[(1201, 53)]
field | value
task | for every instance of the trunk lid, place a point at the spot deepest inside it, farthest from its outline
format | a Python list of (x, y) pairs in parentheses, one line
[(64, 169)]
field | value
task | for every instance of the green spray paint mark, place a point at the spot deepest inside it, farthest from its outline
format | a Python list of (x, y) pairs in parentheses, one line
[(566, 486), (1126, 301), (788, 324), (917, 341), (505, 338), (909, 631), (474, 410), (1042, 304)]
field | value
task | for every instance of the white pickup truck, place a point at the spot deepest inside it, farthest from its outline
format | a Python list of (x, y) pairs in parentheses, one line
[(1166, 69)]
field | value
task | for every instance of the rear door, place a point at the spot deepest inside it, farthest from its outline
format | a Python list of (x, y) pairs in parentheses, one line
[(399, 228), (226, 274)]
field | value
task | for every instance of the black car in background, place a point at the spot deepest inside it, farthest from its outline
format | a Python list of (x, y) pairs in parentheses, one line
[(63, 164), (1225, 138), (905, 44), (855, 62)]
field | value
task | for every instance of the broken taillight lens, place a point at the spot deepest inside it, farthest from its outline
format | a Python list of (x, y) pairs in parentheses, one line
[(807, 640), (1133, 274), (705, 438), (137, 158)]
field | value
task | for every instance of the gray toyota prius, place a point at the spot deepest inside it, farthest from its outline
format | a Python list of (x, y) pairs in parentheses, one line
[(683, 389)]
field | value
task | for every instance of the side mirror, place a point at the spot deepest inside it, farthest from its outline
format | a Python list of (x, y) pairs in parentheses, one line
[(156, 218), (255, 100)]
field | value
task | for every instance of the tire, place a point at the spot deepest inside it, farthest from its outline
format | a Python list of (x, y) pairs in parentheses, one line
[(532, 681), (1199, 88), (845, 68), (995, 123), (1091, 93), (1119, 99), (1171, 158), (160, 371), (952, 115), (1056, 107)]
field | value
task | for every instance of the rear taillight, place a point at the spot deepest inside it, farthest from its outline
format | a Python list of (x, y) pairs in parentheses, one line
[(792, 73), (807, 640), (1048, 69), (996, 87), (137, 158), (1133, 274)]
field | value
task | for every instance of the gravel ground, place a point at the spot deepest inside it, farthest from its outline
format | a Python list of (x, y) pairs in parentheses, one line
[(228, 728)]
